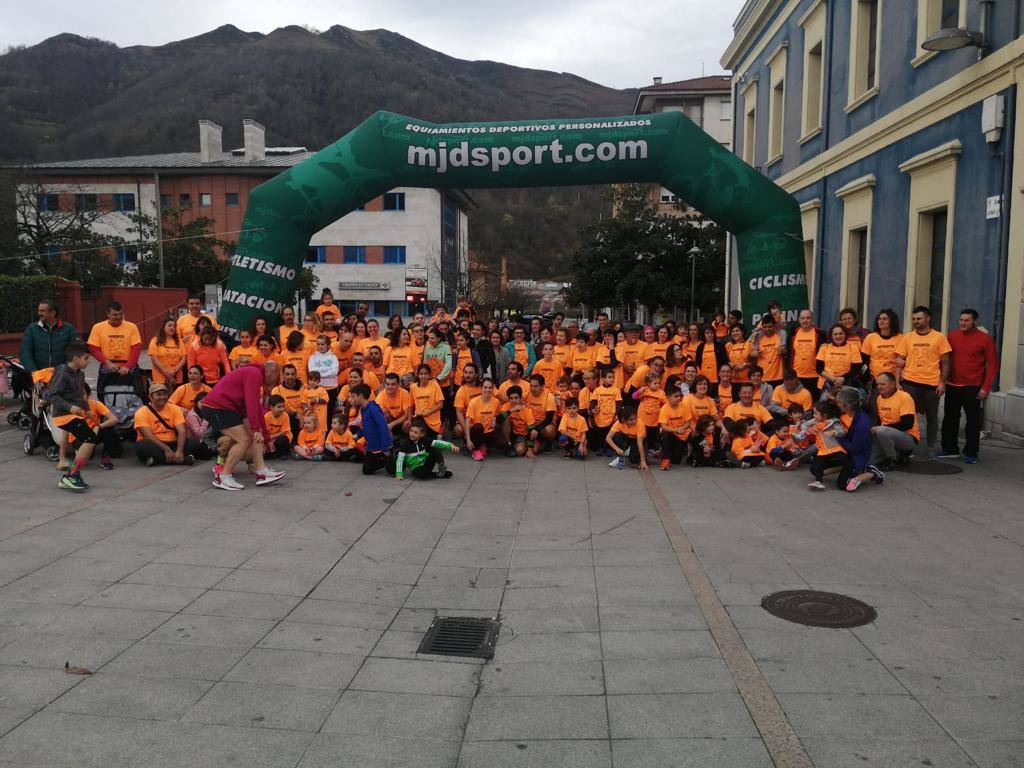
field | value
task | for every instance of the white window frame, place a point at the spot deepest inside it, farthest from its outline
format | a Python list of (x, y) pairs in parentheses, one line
[(932, 187), (857, 197), (777, 103), (929, 16), (809, 213), (858, 91), (813, 25), (749, 96)]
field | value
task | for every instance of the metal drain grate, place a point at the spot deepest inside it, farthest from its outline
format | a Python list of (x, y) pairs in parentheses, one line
[(461, 636), (819, 609)]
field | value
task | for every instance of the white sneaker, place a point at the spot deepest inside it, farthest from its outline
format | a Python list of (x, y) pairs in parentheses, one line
[(816, 485), (268, 476), (614, 463), (227, 483)]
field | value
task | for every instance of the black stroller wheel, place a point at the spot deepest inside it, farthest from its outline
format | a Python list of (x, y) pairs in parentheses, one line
[(13, 418), (24, 422), (52, 453), (28, 445)]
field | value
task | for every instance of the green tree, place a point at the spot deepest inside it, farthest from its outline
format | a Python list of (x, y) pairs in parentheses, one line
[(305, 284), (642, 256), (38, 238), (193, 256)]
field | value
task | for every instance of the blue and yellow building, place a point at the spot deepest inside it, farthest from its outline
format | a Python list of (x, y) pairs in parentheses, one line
[(905, 160)]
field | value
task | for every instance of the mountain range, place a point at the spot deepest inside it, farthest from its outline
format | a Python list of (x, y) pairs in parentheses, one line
[(72, 97)]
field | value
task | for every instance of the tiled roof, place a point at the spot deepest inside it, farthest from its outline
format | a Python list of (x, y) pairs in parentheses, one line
[(708, 83), (178, 160)]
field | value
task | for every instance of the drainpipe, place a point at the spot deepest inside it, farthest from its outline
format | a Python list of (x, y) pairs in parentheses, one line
[(159, 229), (826, 123), (1007, 191)]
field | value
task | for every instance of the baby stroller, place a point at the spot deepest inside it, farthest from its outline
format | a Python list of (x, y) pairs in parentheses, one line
[(22, 388), (42, 433), (122, 395)]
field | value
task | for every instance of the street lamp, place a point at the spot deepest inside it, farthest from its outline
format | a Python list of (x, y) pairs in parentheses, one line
[(693, 253), (951, 39)]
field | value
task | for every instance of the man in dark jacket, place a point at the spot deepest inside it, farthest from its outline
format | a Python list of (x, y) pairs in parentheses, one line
[(45, 342), (379, 442)]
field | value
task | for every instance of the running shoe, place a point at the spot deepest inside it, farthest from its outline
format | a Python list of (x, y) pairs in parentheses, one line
[(853, 485), (791, 464), (268, 475), (72, 483), (945, 455), (665, 464), (877, 475), (478, 455), (445, 475), (816, 485), (188, 460), (227, 483), (106, 463), (970, 459)]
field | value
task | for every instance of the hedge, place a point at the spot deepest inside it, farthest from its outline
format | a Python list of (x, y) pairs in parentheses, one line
[(19, 299)]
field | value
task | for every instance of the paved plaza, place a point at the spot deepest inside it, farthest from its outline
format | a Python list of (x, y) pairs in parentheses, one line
[(278, 627)]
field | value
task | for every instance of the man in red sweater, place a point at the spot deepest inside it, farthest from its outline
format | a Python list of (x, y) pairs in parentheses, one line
[(973, 369)]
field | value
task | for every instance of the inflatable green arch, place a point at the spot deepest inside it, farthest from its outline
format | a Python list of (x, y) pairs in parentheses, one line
[(390, 150)]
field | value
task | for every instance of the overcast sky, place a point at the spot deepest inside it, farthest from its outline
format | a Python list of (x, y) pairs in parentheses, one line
[(621, 44)]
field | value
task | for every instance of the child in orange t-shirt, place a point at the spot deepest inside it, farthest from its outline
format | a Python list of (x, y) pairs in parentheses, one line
[(341, 443), (309, 445), (572, 430), (314, 400), (747, 443), (521, 422), (826, 430), (245, 352), (279, 427), (705, 444), (782, 450)]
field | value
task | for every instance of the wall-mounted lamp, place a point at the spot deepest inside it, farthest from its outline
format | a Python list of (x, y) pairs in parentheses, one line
[(948, 39)]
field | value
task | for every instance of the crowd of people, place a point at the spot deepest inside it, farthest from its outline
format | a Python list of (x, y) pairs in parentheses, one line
[(842, 400)]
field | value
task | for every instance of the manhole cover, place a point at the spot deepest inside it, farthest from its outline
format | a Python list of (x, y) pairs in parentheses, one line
[(931, 468), (461, 636), (819, 609)]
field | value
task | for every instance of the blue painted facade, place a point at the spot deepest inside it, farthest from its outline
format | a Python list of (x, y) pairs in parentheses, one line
[(976, 240)]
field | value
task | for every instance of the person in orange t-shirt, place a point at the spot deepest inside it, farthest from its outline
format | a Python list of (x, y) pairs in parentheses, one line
[(923, 362), (803, 352), (838, 360), (309, 444), (469, 389), (341, 444), (747, 448), (167, 354), (520, 423), (600, 403), (279, 427), (739, 350), (244, 353), (572, 430), (396, 404), (314, 400), (649, 400), (827, 429), (897, 434), (482, 419), (548, 367), (185, 396), (209, 354), (428, 399), (626, 438), (674, 418)]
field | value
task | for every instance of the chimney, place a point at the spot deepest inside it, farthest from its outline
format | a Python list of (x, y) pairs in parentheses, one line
[(255, 140), (209, 141), (657, 80)]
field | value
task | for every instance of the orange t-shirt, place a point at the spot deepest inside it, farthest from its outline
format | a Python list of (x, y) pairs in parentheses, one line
[(607, 401), (700, 406), (677, 416), (573, 426), (649, 407), (425, 398), (584, 359), (891, 409), (739, 354), (882, 353), (709, 362), (521, 419), (769, 356), (564, 354), (404, 360), (168, 355), (344, 441), (115, 343), (746, 447), (923, 353), (805, 352), (839, 361), (827, 443), (278, 425), (466, 393), (187, 326), (551, 370), (241, 355), (292, 397), (210, 359), (306, 397), (171, 414), (755, 411), (185, 396), (394, 407), (637, 430), (484, 414), (540, 404), (463, 357), (299, 358), (283, 332), (309, 439), (784, 398)]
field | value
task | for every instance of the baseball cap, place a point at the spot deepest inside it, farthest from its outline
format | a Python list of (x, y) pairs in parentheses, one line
[(157, 387)]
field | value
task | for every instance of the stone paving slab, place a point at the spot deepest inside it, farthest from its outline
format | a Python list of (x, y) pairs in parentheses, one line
[(280, 626)]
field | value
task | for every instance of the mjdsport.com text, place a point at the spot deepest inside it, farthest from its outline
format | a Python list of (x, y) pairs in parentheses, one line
[(463, 156)]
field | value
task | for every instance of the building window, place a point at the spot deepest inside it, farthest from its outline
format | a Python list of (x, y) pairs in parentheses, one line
[(394, 201), (184, 200), (231, 199), (354, 254), (383, 308), (394, 254), (166, 201), (863, 81), (749, 122), (776, 103), (124, 201), (855, 275), (48, 202), (809, 225), (316, 254), (205, 199), (933, 15), (813, 26), (930, 228), (667, 197), (127, 254), (726, 109), (85, 202)]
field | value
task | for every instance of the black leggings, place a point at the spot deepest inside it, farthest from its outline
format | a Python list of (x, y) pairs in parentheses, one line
[(629, 445), (146, 449), (425, 471), (820, 463), (597, 438), (81, 431), (493, 440)]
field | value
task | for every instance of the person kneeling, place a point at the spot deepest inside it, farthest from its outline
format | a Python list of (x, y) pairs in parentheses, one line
[(423, 459), (279, 427), (572, 431), (161, 433), (341, 443)]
